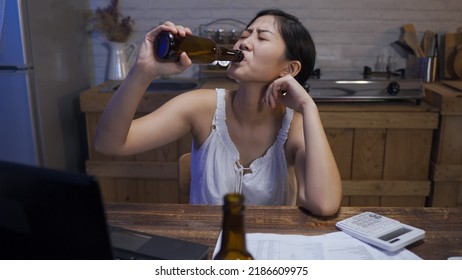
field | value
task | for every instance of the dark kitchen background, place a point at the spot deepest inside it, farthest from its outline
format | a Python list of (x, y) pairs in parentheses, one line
[(348, 34)]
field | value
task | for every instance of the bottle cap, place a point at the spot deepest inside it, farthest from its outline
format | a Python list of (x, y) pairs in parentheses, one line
[(163, 44), (239, 56)]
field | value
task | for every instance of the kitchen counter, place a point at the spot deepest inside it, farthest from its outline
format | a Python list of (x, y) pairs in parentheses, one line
[(382, 150)]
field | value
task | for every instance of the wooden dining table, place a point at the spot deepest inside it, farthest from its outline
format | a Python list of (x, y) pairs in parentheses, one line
[(202, 223)]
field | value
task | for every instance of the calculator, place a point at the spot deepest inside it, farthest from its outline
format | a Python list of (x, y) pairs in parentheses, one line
[(380, 231)]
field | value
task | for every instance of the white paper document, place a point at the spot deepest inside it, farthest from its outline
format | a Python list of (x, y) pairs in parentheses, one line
[(331, 246)]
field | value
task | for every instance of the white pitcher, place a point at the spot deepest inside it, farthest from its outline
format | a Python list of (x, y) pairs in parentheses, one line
[(121, 58)]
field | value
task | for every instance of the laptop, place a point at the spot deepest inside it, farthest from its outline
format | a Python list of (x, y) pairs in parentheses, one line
[(51, 214)]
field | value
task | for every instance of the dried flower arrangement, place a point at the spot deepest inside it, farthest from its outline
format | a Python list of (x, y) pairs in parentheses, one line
[(111, 23)]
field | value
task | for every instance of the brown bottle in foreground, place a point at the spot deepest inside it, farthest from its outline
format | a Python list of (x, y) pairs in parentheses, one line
[(169, 47), (233, 235)]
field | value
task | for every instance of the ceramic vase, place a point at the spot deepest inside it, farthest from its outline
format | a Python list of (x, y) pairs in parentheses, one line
[(121, 58)]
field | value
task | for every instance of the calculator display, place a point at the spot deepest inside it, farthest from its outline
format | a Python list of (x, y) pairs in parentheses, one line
[(389, 236)]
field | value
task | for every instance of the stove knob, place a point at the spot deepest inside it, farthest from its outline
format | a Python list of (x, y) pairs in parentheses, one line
[(393, 88)]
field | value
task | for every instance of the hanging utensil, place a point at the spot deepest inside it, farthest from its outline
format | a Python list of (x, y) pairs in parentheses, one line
[(409, 37), (402, 49), (458, 62), (427, 43)]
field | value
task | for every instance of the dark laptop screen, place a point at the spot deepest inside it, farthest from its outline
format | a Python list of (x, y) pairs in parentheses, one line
[(50, 214)]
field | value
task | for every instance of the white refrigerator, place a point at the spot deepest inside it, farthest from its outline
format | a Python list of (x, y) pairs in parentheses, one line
[(43, 68)]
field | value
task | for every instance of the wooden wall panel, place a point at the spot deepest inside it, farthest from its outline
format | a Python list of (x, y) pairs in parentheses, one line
[(368, 153), (447, 193), (407, 154), (446, 167), (450, 140), (407, 157), (341, 143), (108, 191), (139, 190), (364, 200), (158, 190)]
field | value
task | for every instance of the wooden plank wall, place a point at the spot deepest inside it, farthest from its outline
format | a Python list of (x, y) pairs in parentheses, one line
[(383, 153), (146, 177), (446, 160)]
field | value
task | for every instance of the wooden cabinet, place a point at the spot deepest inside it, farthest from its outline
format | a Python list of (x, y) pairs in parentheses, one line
[(382, 149), (446, 160)]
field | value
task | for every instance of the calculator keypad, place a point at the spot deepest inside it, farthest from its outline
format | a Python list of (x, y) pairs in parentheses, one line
[(383, 232), (370, 223)]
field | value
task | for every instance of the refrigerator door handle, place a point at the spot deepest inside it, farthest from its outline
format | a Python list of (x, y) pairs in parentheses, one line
[(14, 68), (8, 68)]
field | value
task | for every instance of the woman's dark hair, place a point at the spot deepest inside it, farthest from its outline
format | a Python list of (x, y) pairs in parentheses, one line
[(298, 41)]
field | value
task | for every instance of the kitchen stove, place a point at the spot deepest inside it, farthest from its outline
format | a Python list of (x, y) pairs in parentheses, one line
[(375, 86)]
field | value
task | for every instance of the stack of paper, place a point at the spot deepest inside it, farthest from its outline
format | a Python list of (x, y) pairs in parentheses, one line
[(331, 246)]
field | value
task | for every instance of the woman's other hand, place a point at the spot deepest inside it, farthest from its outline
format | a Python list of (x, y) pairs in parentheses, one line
[(289, 92)]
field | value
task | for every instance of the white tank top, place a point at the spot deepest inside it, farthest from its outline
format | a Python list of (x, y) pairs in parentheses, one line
[(216, 171)]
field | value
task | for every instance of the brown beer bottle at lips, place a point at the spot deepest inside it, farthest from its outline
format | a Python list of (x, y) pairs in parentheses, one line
[(169, 47), (233, 245)]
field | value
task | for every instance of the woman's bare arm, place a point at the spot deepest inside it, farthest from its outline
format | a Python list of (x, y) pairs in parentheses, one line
[(318, 178), (320, 187), (117, 133)]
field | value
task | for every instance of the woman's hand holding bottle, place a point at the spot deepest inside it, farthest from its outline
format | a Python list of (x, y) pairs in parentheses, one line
[(147, 61)]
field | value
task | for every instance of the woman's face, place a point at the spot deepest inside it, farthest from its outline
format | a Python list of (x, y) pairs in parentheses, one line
[(263, 49)]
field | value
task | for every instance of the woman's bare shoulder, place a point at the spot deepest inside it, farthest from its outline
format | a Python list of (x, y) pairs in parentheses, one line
[(203, 98), (201, 106)]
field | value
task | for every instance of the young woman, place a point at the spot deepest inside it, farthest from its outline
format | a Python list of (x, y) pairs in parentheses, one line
[(248, 141)]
